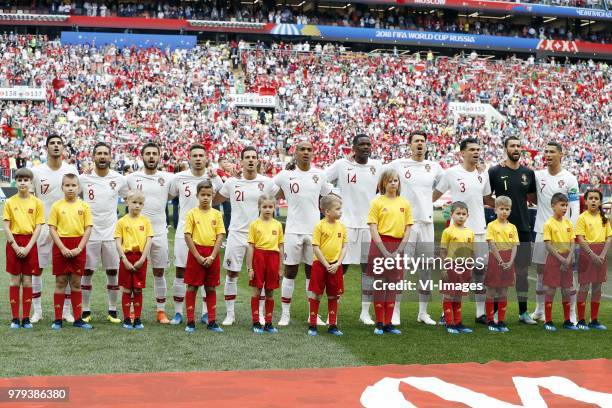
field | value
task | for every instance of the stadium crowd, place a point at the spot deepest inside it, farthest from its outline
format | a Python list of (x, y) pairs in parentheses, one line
[(354, 15), (128, 96)]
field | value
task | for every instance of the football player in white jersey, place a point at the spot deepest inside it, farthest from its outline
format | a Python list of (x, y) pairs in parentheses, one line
[(418, 178), (466, 183), (48, 187), (184, 186), (243, 194), (155, 185), (101, 191), (301, 188), (356, 182), (549, 181)]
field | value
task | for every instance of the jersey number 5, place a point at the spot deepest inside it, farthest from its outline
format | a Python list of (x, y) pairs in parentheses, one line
[(187, 191)]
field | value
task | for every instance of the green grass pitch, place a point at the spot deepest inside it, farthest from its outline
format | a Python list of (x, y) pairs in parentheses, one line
[(111, 349)]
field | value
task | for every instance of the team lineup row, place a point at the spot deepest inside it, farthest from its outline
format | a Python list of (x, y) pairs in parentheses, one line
[(380, 222)]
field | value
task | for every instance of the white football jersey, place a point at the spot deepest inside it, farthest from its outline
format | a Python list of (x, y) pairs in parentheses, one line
[(102, 196), (356, 184), (48, 183), (418, 179), (184, 185), (302, 190), (469, 187), (155, 188), (243, 195), (547, 185)]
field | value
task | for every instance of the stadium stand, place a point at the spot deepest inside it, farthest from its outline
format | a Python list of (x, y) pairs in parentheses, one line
[(325, 93)]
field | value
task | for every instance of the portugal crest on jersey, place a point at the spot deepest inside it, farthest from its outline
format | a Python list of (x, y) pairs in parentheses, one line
[(561, 183), (161, 181), (428, 167), (315, 178), (112, 184), (260, 186)]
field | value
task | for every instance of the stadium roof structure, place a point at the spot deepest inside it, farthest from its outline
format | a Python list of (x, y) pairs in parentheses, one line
[(458, 41)]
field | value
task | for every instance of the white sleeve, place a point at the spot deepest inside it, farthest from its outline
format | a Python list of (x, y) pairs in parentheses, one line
[(573, 195), (272, 189), (225, 190), (331, 173), (124, 188), (217, 183), (438, 174), (280, 179), (487, 185), (173, 191), (443, 184), (326, 187)]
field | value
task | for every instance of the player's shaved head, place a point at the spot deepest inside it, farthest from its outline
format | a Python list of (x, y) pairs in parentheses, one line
[(362, 148), (303, 155)]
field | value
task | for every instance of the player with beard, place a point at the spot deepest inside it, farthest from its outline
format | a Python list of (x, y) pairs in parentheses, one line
[(184, 186), (518, 183), (243, 194), (101, 190), (302, 188), (467, 184), (48, 187), (356, 182), (155, 185), (549, 181), (418, 177)]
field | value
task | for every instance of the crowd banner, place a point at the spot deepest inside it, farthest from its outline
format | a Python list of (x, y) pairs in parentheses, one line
[(23, 93), (128, 40), (254, 100), (454, 40)]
